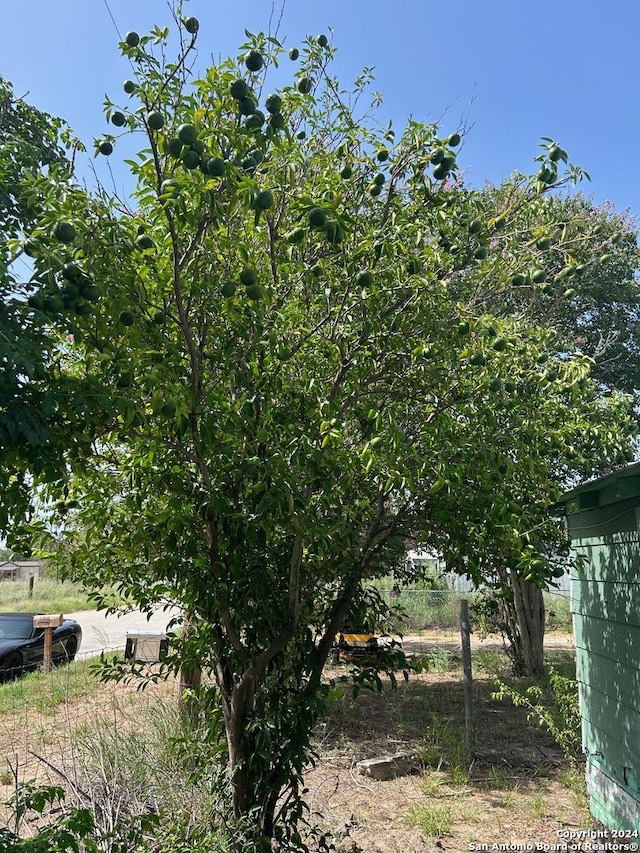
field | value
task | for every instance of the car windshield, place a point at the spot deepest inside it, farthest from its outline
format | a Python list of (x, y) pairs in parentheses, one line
[(20, 628)]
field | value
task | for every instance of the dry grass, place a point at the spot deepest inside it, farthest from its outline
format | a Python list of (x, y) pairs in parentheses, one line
[(517, 789)]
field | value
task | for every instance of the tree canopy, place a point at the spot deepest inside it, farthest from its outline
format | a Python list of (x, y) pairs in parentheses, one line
[(291, 353), (36, 426)]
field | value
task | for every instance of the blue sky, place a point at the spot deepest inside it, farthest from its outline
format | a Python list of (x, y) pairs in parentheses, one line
[(513, 70)]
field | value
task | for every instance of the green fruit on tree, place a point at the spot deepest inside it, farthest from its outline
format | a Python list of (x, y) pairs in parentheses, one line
[(248, 276), (254, 292), (64, 232), (297, 235), (301, 134), (538, 276), (187, 134), (317, 217), (254, 60), (192, 25), (82, 309), (569, 292), (118, 119), (126, 318), (144, 242), (510, 386), (499, 222), (477, 359), (322, 40), (440, 172), (246, 106), (129, 87), (518, 280), (239, 89), (463, 328), (125, 380), (277, 121), (174, 147), (364, 279), (159, 317), (495, 384), (89, 292), (71, 272), (294, 53), (475, 226), (132, 39), (346, 173), (254, 121), (168, 409), (480, 253), (379, 179), (500, 344), (264, 200), (273, 103), (105, 147), (228, 289), (334, 232), (437, 156), (454, 140), (191, 160), (215, 167), (54, 304), (317, 270), (375, 190), (382, 156), (555, 153), (36, 301), (155, 120), (305, 85), (544, 243)]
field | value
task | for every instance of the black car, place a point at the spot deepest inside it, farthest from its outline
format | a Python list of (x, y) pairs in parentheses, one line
[(22, 645)]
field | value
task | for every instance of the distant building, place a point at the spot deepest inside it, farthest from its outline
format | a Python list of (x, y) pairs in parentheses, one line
[(20, 570)]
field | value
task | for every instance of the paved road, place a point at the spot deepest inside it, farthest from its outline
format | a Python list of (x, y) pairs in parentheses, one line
[(101, 632)]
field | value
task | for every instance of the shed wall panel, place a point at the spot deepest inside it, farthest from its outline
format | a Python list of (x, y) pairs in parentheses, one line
[(609, 637)]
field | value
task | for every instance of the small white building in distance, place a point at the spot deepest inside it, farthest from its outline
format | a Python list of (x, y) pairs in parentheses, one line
[(20, 570)]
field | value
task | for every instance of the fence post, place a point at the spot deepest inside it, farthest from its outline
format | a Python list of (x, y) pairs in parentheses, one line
[(465, 635)]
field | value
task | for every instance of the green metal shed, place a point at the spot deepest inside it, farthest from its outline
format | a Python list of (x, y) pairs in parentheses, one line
[(603, 521)]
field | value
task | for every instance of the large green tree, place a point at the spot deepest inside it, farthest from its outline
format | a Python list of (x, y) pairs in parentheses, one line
[(37, 423), (292, 379), (588, 294)]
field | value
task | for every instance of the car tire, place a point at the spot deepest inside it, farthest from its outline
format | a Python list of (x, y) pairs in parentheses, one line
[(12, 666), (71, 648)]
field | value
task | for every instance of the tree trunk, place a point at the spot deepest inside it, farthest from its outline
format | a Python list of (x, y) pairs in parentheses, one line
[(524, 618), (190, 679)]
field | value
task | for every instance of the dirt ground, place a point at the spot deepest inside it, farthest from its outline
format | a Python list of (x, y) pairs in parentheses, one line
[(518, 790)]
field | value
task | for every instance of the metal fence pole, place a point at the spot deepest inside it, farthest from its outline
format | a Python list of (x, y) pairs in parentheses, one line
[(465, 635)]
